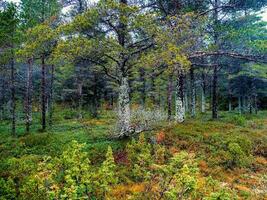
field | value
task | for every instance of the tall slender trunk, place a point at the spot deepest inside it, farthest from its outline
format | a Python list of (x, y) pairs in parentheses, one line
[(143, 86), (95, 101), (80, 99), (229, 97), (239, 105), (13, 97), (203, 94), (215, 93), (186, 101), (153, 90), (193, 92), (215, 70), (256, 104), (43, 94), (51, 96), (179, 104), (169, 96), (2, 99), (28, 96), (203, 100)]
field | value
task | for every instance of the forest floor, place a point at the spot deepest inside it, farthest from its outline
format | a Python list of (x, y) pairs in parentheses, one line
[(208, 140)]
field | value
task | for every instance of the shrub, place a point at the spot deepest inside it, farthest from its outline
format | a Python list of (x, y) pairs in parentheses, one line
[(144, 119), (140, 157), (70, 176), (7, 189), (239, 120), (231, 151)]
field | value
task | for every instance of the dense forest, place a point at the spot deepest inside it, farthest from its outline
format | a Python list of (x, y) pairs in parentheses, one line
[(133, 99)]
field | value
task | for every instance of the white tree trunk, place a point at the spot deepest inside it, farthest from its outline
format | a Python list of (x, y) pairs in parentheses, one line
[(124, 108), (179, 105)]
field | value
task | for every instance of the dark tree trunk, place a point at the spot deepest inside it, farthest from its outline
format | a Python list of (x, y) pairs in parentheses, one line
[(229, 97), (13, 97), (2, 100), (215, 70), (95, 102), (169, 96), (153, 89), (43, 94), (28, 96), (80, 99), (51, 96), (203, 94), (239, 105), (193, 92), (215, 93), (143, 86)]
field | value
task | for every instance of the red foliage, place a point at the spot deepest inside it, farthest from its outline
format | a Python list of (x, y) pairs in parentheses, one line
[(160, 137), (121, 157)]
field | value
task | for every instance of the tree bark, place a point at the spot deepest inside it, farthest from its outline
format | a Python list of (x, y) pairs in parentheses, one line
[(80, 99), (215, 93), (13, 97), (143, 86), (229, 97), (215, 70), (203, 94), (28, 96), (51, 96), (193, 92), (179, 104), (239, 105), (43, 94), (124, 108), (169, 96)]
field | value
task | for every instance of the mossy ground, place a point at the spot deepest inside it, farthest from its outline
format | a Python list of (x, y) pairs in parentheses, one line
[(209, 140)]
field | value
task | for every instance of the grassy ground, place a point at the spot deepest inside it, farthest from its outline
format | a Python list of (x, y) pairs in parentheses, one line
[(242, 168)]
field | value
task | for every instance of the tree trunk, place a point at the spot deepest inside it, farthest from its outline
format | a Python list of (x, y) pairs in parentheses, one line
[(169, 96), (203, 100), (43, 94), (215, 93), (229, 98), (239, 105), (215, 70), (51, 96), (203, 94), (124, 108), (13, 97), (28, 96), (153, 90), (80, 99), (193, 92), (143, 86), (179, 105), (256, 104), (2, 94)]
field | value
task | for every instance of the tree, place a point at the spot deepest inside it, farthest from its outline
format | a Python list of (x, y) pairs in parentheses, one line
[(113, 34), (34, 13), (8, 41)]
